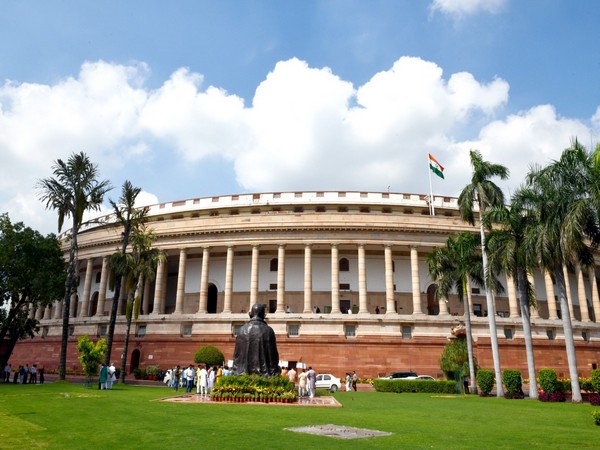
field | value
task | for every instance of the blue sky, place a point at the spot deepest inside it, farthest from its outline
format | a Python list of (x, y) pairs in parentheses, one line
[(199, 98)]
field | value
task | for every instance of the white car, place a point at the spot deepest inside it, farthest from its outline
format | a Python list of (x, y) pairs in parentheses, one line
[(328, 381)]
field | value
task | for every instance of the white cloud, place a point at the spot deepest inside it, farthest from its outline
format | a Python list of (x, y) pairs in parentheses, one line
[(305, 128), (461, 8)]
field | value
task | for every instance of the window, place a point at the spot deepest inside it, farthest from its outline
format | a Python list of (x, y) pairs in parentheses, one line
[(344, 265), (364, 195), (475, 291), (393, 266), (71, 330), (341, 194), (406, 332), (344, 286), (273, 265), (320, 209), (273, 286), (550, 334), (343, 209), (298, 209), (213, 213), (141, 330), (235, 197), (186, 329), (255, 196), (584, 335), (298, 194), (277, 195), (102, 330), (350, 330), (98, 275), (272, 306), (255, 211), (320, 194), (477, 309), (508, 333), (234, 212), (293, 329), (365, 209), (386, 210)]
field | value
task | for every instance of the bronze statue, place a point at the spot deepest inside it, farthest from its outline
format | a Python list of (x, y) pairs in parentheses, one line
[(255, 346)]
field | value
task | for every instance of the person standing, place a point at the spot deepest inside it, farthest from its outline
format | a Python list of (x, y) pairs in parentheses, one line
[(176, 375), (210, 382), (7, 371), (302, 384), (103, 376), (202, 381), (33, 374), (311, 378), (292, 376), (42, 375), (348, 388), (354, 380), (188, 374), (111, 376)]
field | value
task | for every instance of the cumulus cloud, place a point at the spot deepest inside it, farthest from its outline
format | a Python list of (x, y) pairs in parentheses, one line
[(461, 8), (305, 129)]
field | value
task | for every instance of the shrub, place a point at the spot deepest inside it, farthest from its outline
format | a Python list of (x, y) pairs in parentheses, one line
[(552, 397), (485, 381), (209, 355), (512, 380), (152, 370), (594, 399), (549, 381), (429, 386), (596, 416), (90, 354), (595, 380), (454, 360)]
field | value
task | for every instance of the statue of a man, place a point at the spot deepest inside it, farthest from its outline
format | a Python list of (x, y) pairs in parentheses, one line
[(255, 346)]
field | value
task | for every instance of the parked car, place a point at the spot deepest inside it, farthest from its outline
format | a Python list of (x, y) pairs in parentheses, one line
[(397, 375), (425, 377), (328, 381)]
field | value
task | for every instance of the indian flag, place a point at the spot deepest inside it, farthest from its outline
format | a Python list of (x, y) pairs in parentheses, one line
[(436, 167)]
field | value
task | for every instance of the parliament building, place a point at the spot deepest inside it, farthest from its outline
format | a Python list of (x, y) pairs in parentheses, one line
[(344, 277)]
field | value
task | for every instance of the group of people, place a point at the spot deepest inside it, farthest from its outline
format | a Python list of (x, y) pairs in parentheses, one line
[(351, 381), (108, 375), (203, 378), (24, 374), (305, 381)]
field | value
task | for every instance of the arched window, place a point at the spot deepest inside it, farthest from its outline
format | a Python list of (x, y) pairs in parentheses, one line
[(344, 265), (274, 264)]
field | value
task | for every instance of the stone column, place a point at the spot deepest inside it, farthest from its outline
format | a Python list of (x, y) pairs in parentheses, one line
[(146, 297), (159, 288), (254, 277), (180, 297), (31, 313), (122, 308), (390, 307), (87, 287), (281, 279), (47, 312), (512, 297), (39, 313), (307, 278), (58, 308), (583, 306), (204, 281), (569, 296), (416, 290), (102, 288), (335, 279), (552, 314), (595, 298), (362, 280), (228, 280), (73, 305), (443, 307)]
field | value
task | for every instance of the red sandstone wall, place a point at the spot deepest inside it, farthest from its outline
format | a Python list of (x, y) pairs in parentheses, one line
[(370, 357)]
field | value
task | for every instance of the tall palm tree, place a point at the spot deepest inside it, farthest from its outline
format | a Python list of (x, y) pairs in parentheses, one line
[(452, 267), (484, 194), (129, 217), (72, 190), (560, 192), (139, 265), (505, 245)]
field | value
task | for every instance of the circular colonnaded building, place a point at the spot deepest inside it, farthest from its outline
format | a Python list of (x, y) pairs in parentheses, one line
[(343, 275)]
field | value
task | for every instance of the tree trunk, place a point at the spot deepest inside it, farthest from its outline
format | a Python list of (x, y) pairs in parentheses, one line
[(524, 304), (470, 344), (129, 316), (568, 330), (62, 365), (491, 313)]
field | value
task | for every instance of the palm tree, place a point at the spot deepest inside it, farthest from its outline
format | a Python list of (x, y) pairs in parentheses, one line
[(453, 267), (559, 195), (139, 265), (506, 248), (483, 193), (74, 189), (129, 217)]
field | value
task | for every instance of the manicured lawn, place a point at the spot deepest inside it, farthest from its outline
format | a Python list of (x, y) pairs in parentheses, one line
[(66, 416)]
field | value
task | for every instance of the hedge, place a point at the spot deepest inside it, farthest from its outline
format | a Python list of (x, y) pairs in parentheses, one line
[(430, 386)]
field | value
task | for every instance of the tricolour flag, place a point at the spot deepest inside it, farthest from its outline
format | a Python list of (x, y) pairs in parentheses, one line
[(436, 167)]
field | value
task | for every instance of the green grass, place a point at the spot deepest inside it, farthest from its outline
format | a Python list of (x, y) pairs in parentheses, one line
[(66, 416)]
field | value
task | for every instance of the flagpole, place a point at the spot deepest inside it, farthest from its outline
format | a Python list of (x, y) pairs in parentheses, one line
[(431, 206)]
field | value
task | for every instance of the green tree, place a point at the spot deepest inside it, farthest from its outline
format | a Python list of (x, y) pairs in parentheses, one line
[(32, 275), (130, 218), (507, 251), (558, 194), (481, 193), (139, 265), (454, 360), (73, 190), (453, 267), (90, 355), (209, 355)]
